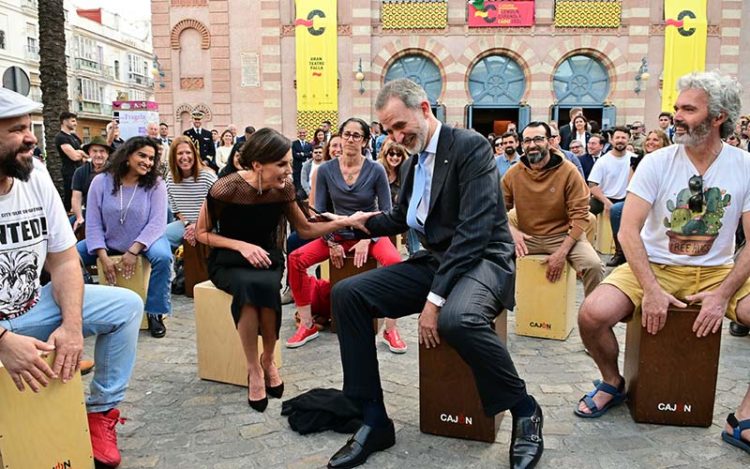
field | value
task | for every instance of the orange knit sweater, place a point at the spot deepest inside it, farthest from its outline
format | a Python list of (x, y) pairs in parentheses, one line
[(549, 201)]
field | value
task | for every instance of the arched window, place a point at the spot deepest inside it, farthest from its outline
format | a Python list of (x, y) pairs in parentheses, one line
[(581, 80), (17, 80), (498, 80), (420, 70)]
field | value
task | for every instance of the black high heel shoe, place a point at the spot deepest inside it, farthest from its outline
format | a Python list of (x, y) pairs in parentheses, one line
[(273, 391), (259, 405)]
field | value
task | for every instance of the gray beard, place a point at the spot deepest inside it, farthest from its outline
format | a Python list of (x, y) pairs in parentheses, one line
[(536, 158), (695, 136)]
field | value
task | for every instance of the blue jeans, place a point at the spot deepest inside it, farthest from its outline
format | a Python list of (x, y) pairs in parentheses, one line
[(159, 296), (113, 315), (175, 232), (615, 215)]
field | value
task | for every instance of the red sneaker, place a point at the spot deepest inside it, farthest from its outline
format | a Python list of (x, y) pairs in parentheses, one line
[(393, 339), (302, 336), (104, 436)]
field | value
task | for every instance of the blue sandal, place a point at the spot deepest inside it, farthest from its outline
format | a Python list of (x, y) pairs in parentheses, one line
[(618, 397), (735, 438)]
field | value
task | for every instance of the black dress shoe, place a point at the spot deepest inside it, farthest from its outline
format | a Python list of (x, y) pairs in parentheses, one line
[(366, 441), (617, 259), (526, 442), (156, 326), (738, 330)]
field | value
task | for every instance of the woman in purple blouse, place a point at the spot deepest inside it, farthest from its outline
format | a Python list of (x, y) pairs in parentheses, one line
[(127, 215)]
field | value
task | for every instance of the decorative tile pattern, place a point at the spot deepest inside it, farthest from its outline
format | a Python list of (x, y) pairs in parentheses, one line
[(415, 15), (587, 14)]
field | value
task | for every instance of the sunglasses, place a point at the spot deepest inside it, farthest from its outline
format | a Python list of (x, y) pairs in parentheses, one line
[(697, 200), (394, 153)]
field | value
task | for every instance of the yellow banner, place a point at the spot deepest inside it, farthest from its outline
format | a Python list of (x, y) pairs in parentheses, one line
[(684, 44), (317, 58)]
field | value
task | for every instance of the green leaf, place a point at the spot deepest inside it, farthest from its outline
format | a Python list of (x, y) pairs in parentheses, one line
[(478, 4)]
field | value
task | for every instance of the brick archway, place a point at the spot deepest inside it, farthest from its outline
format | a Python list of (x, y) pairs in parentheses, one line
[(181, 26)]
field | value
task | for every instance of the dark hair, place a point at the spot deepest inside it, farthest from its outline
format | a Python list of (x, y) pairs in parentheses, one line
[(164, 124), (264, 146), (65, 115), (509, 134), (547, 130), (118, 162), (326, 122), (622, 129), (666, 114), (315, 136), (580, 116), (599, 137), (361, 122), (594, 126), (318, 146), (249, 129)]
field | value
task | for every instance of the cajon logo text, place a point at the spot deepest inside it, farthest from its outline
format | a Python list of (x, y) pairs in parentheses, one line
[(459, 419), (676, 407), (541, 325), (63, 465)]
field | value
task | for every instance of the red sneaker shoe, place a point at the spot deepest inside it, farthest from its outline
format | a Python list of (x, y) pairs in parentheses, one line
[(104, 436), (393, 339), (302, 336)]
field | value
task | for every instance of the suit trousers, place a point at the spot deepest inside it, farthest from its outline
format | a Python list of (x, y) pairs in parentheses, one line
[(464, 322)]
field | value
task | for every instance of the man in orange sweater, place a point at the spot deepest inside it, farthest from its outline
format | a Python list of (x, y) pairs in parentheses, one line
[(551, 202)]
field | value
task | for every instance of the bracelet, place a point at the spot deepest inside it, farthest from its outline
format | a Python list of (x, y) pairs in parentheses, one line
[(2, 334), (133, 253)]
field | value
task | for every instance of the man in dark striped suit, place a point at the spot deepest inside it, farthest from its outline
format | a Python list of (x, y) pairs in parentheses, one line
[(462, 279)]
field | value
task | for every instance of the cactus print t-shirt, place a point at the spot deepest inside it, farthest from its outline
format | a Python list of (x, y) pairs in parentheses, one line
[(693, 218)]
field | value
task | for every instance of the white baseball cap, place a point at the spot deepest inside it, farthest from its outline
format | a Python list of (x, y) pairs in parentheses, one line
[(13, 104)]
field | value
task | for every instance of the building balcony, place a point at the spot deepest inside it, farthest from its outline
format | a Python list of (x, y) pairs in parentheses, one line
[(87, 65), (32, 53), (142, 80)]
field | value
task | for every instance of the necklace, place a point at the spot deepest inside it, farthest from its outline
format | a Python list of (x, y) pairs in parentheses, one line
[(124, 215), (350, 176)]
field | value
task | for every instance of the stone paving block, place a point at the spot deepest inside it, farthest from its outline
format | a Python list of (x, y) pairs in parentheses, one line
[(178, 421)]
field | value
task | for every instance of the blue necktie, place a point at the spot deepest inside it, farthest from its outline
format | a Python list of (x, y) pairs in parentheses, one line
[(418, 189)]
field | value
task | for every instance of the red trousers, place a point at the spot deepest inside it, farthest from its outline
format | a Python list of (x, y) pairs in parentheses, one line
[(316, 252)]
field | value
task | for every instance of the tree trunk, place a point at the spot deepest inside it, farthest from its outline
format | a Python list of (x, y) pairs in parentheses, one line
[(54, 78)]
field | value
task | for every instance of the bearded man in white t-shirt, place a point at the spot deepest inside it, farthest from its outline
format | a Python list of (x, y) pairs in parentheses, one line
[(682, 210), (35, 234)]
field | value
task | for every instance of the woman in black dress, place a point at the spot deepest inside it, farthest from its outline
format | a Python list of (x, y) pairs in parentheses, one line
[(244, 221)]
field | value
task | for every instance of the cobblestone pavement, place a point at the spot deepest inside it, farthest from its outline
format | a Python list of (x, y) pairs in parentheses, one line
[(176, 420)]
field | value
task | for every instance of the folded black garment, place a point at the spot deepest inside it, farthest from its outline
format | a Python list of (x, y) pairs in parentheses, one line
[(319, 410)]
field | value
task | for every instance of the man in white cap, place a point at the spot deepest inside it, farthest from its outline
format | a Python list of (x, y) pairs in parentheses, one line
[(202, 140), (35, 232)]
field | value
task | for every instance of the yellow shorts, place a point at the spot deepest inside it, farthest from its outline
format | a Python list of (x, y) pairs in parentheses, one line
[(679, 281)]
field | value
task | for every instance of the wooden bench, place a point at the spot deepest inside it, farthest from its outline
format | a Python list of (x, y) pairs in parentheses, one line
[(138, 283), (349, 270), (544, 309), (671, 376), (605, 242), (220, 354), (449, 403), (47, 429)]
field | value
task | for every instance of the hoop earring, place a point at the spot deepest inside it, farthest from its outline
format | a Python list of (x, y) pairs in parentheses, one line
[(260, 183)]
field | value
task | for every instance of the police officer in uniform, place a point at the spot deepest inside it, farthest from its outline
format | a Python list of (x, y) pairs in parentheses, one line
[(202, 140)]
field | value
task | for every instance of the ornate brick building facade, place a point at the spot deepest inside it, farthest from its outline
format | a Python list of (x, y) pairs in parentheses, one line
[(235, 59)]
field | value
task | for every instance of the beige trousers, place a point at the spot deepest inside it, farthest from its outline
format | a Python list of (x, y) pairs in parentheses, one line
[(582, 256)]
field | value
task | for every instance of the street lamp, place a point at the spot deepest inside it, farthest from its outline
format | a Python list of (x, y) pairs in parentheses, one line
[(360, 77), (642, 76)]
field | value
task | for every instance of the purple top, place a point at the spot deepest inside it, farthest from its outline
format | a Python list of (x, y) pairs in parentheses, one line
[(145, 221), (369, 193)]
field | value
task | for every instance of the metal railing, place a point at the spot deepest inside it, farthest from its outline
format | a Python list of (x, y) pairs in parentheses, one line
[(140, 80), (87, 64)]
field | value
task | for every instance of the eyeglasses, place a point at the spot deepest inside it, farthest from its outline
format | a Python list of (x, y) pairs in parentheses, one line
[(353, 135), (394, 153), (537, 140), (697, 200)]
